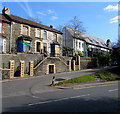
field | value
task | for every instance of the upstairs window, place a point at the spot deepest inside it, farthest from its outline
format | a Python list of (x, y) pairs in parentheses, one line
[(55, 37), (25, 30), (0, 27), (45, 34), (38, 33)]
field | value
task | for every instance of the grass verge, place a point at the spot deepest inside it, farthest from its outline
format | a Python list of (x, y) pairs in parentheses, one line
[(106, 75)]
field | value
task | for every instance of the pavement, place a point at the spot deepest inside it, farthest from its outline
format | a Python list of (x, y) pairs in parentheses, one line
[(41, 84)]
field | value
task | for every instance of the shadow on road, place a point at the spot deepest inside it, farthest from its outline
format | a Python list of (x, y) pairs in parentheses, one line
[(105, 104)]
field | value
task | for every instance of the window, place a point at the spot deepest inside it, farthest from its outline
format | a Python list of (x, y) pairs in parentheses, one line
[(76, 44), (38, 33), (79, 45), (0, 27), (45, 34), (96, 42), (4, 45), (25, 30), (38, 46), (1, 44), (82, 45), (45, 47), (55, 37), (90, 40)]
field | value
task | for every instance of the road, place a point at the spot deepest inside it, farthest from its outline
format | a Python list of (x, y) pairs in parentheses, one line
[(91, 99), (25, 86)]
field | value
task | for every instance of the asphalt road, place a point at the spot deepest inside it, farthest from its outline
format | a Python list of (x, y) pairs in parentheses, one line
[(93, 99), (39, 84)]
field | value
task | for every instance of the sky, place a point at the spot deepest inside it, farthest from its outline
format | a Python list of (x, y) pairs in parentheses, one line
[(100, 19)]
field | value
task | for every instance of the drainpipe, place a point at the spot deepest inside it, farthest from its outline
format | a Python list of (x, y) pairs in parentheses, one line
[(10, 37)]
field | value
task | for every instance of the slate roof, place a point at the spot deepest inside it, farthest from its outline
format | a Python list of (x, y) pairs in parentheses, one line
[(31, 23), (86, 37)]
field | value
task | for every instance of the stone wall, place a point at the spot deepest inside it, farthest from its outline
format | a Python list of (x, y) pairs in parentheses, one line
[(7, 34), (60, 66), (42, 64), (87, 63), (17, 58)]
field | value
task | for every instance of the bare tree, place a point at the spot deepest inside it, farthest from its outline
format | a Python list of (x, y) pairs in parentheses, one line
[(37, 20), (76, 24), (60, 27)]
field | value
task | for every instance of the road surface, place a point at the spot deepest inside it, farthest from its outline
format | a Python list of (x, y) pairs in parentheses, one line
[(102, 98)]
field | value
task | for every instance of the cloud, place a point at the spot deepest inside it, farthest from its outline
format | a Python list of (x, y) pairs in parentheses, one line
[(41, 13), (115, 19), (54, 18), (112, 8), (51, 11), (25, 6)]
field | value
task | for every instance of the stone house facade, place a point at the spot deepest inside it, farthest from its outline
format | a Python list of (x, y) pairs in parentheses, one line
[(25, 36), (89, 45), (4, 35)]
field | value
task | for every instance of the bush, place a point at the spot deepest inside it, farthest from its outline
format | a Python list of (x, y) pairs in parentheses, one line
[(81, 54)]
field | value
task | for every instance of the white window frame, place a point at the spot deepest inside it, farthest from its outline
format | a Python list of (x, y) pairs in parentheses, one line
[(26, 29), (44, 31), (4, 46), (38, 33)]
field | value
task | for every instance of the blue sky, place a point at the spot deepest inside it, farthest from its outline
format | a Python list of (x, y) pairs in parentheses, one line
[(99, 18)]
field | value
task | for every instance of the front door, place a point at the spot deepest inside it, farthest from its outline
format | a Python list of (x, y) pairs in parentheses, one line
[(38, 46), (51, 69)]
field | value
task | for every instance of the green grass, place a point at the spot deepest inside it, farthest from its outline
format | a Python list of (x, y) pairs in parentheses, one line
[(86, 78), (106, 75)]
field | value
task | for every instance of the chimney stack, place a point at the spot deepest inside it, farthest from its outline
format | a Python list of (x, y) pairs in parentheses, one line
[(6, 10)]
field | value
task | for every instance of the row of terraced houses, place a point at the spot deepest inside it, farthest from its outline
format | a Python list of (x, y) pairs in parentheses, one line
[(31, 39)]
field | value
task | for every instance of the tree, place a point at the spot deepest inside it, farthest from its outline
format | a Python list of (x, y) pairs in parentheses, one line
[(37, 20), (67, 51), (60, 27), (76, 24), (116, 52), (114, 44)]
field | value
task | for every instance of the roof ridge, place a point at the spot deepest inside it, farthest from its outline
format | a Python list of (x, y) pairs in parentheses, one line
[(86, 33), (29, 22)]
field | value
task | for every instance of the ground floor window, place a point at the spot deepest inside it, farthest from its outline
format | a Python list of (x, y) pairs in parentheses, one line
[(2, 45), (38, 46)]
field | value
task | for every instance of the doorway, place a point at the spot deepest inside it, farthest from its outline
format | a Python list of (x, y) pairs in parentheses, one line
[(38, 47), (51, 69)]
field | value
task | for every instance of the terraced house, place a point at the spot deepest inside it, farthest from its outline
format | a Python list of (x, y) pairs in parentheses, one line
[(28, 48), (25, 36)]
